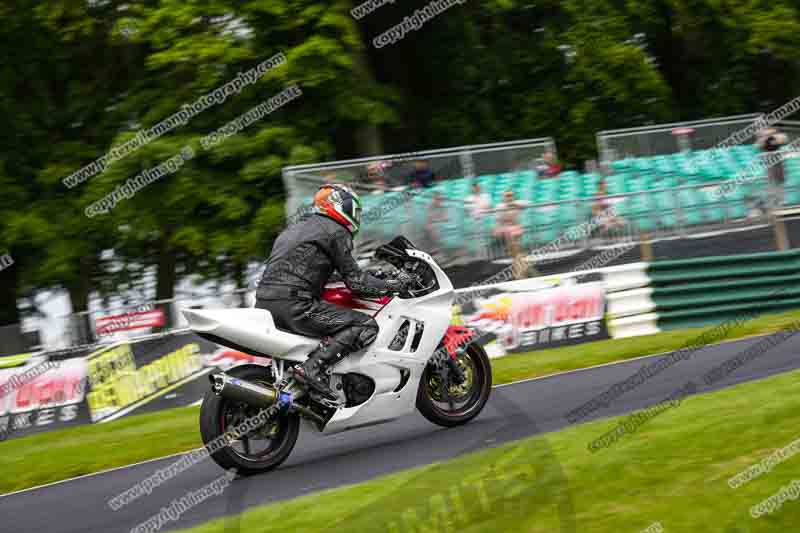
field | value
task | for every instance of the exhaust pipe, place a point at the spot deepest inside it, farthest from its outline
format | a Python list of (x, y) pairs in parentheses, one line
[(239, 390)]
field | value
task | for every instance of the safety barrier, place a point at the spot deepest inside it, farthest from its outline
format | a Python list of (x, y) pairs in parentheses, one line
[(629, 302), (698, 292)]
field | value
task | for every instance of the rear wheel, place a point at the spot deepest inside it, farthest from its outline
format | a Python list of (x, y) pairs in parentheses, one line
[(259, 450), (446, 403)]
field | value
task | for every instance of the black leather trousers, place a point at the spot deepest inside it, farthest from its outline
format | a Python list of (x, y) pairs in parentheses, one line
[(347, 330)]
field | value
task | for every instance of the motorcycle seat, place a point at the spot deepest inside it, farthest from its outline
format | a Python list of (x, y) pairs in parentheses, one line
[(248, 329)]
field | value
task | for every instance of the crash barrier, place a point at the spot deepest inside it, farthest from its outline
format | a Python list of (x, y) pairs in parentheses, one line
[(696, 292), (629, 303)]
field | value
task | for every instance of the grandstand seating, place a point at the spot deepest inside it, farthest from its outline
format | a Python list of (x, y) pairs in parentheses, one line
[(670, 186)]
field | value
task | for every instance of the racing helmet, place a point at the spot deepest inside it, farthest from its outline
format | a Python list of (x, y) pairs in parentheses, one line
[(340, 203)]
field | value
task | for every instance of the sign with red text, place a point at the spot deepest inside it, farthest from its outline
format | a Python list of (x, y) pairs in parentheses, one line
[(50, 400), (130, 321), (528, 320)]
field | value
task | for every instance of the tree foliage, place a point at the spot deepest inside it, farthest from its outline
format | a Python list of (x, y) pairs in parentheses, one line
[(80, 77)]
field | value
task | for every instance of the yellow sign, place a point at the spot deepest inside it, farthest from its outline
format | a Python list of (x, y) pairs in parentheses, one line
[(117, 383)]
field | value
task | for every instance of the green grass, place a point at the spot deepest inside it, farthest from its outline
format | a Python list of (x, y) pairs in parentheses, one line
[(57, 455), (674, 470), (62, 454)]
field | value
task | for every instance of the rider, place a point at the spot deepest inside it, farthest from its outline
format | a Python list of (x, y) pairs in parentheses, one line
[(302, 260)]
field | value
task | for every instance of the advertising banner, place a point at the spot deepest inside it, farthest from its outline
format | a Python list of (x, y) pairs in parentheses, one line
[(536, 317), (49, 392), (130, 321), (124, 375), (161, 372), (42, 395)]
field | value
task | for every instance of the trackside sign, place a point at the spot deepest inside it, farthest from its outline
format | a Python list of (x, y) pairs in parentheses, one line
[(555, 316)]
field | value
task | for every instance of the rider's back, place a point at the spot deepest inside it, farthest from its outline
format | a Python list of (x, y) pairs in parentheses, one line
[(301, 255)]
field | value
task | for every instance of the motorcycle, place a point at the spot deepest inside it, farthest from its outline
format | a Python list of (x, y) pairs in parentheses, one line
[(418, 361)]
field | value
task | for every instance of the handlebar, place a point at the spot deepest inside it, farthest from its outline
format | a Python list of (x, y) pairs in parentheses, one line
[(395, 253)]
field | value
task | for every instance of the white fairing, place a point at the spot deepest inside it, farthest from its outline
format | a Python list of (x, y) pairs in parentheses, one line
[(254, 329), (251, 328)]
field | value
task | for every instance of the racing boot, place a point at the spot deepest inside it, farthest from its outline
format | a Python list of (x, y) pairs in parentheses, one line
[(314, 372)]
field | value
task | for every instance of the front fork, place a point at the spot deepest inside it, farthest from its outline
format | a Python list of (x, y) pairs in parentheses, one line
[(446, 363)]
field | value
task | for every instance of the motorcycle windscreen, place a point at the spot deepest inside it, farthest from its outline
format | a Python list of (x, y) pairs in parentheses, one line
[(394, 249)]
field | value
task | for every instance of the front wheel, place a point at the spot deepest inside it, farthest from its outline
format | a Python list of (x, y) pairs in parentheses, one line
[(448, 404), (261, 449)]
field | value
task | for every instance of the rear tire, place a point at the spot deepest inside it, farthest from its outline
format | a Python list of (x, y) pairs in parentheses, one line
[(218, 415), (429, 403)]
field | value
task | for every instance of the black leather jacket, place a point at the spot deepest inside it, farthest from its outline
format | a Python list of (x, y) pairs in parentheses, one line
[(306, 254)]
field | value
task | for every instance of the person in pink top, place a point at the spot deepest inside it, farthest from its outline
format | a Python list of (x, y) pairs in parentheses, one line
[(507, 226)]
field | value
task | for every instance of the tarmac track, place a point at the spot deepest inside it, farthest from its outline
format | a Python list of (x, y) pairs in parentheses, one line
[(514, 411)]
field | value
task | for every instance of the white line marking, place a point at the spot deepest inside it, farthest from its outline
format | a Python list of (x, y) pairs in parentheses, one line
[(94, 474), (660, 354)]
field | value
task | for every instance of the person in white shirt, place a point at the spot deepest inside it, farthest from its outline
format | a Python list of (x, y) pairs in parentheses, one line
[(477, 202)]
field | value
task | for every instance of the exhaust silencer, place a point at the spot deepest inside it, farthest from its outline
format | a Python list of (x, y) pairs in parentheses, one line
[(239, 390)]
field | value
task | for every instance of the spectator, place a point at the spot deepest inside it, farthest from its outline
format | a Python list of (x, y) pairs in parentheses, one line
[(477, 202), (602, 212), (549, 167), (376, 175), (771, 140), (437, 215), (508, 229), (422, 175)]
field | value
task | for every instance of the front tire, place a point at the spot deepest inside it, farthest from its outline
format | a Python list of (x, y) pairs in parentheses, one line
[(218, 415), (455, 405)]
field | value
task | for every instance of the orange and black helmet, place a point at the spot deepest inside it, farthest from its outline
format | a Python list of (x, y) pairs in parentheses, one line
[(340, 203)]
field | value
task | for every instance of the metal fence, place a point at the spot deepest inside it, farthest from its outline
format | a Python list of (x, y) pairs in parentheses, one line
[(14, 340), (791, 128), (659, 139), (390, 171), (81, 329)]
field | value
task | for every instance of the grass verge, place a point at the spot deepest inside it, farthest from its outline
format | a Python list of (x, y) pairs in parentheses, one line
[(673, 470), (57, 455)]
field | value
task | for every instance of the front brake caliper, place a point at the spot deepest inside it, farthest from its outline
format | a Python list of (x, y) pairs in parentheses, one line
[(457, 376)]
